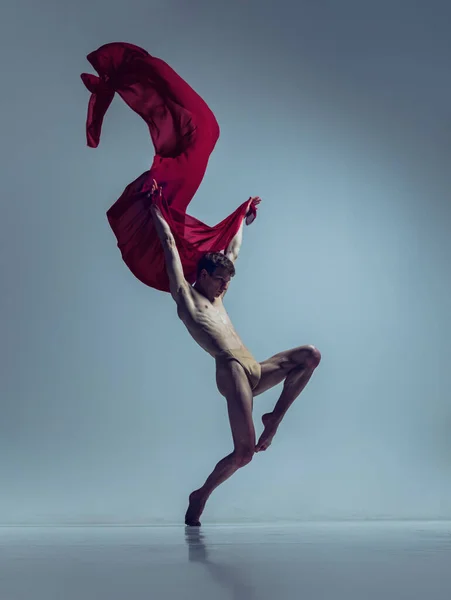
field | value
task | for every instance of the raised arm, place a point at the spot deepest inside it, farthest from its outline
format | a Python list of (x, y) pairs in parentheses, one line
[(177, 282), (233, 248)]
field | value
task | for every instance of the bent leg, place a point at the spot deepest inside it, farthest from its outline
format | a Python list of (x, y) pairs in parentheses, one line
[(233, 384), (295, 367)]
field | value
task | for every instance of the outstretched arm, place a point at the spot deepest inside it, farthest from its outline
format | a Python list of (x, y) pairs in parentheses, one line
[(233, 248), (177, 282)]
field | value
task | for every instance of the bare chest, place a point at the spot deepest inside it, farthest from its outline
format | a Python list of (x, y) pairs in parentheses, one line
[(209, 324), (204, 312), (217, 314)]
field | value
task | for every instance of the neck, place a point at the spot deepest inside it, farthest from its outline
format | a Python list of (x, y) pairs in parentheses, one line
[(198, 287)]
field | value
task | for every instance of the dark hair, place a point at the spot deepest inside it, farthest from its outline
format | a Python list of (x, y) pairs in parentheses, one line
[(212, 260)]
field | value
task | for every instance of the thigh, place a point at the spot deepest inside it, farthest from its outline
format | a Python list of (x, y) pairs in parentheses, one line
[(276, 368), (234, 386)]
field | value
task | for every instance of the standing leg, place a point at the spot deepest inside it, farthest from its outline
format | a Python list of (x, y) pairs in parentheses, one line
[(233, 384), (294, 367)]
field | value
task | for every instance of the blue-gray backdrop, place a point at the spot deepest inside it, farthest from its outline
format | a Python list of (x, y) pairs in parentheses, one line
[(338, 115)]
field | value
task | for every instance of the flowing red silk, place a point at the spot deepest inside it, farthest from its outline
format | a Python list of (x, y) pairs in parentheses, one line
[(184, 133)]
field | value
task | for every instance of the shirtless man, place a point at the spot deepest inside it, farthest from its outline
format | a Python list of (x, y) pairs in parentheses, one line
[(239, 376)]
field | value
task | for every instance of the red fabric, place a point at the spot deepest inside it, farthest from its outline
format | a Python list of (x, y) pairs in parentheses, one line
[(184, 132)]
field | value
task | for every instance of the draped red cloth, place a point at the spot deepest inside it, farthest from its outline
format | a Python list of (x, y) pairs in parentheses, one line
[(184, 132)]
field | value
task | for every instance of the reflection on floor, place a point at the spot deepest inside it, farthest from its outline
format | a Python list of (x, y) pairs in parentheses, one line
[(364, 561)]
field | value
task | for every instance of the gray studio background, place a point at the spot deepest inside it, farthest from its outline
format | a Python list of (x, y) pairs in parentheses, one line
[(338, 115)]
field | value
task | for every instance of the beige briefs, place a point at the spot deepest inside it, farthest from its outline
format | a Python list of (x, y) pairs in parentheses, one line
[(242, 356)]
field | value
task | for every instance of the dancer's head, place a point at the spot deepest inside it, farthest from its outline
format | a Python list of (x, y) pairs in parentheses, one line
[(214, 273)]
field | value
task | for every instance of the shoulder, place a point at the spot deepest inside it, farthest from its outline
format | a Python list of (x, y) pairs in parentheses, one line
[(182, 293)]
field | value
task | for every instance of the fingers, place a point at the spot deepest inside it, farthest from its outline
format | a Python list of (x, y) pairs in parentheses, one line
[(156, 188)]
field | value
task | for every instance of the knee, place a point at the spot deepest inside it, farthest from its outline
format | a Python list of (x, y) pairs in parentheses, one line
[(314, 357), (243, 457)]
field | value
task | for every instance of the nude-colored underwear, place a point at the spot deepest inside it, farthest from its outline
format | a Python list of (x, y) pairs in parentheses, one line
[(242, 356)]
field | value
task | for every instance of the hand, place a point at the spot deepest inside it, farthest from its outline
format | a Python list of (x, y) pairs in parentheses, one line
[(251, 213), (155, 189), (154, 208)]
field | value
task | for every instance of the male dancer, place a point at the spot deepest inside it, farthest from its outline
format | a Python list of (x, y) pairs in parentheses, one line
[(184, 132), (239, 376)]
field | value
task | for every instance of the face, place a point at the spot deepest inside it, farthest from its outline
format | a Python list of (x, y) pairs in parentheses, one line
[(217, 282)]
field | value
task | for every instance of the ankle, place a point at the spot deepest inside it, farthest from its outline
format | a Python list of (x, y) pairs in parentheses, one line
[(199, 495), (276, 417)]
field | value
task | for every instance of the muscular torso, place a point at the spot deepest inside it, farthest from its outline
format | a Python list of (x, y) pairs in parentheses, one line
[(207, 322)]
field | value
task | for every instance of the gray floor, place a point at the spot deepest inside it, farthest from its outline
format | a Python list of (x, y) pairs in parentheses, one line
[(309, 561)]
